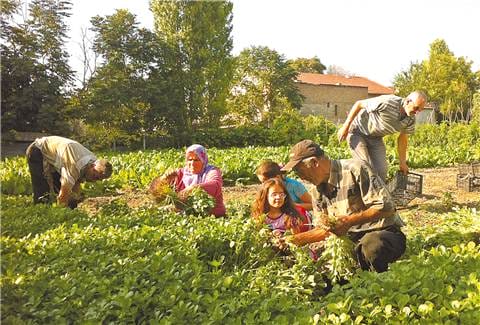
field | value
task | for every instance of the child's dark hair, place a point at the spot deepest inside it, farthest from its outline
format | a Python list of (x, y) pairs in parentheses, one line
[(261, 206), (269, 169)]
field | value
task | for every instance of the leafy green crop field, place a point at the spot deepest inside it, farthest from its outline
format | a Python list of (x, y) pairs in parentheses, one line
[(146, 265), (137, 169)]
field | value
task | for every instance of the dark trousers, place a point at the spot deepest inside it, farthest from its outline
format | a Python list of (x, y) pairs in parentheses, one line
[(376, 249), (41, 189)]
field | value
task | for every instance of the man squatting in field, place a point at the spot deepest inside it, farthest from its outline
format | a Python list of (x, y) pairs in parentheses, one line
[(371, 119), (349, 198), (58, 165)]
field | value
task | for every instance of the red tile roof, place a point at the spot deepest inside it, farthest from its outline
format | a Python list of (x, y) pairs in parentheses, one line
[(356, 81)]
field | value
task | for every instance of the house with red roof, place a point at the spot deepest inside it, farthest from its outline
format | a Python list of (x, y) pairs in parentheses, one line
[(332, 96)]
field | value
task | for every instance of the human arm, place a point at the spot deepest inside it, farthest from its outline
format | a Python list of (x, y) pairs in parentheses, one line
[(308, 236), (343, 131), (402, 144), (315, 235), (76, 195), (298, 193), (344, 223), (64, 195)]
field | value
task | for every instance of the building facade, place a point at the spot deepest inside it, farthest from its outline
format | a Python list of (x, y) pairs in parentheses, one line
[(332, 96)]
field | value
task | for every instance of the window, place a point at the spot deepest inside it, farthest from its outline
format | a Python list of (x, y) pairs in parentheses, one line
[(336, 110)]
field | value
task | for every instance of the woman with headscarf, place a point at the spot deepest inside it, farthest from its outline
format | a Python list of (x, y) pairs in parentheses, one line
[(198, 173)]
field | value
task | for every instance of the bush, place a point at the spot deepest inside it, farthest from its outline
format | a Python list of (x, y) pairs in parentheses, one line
[(288, 128)]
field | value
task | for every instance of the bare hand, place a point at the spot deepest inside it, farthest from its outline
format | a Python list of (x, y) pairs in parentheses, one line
[(279, 242), (342, 133), (183, 195), (341, 227)]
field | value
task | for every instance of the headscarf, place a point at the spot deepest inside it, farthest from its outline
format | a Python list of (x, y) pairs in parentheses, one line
[(193, 179)]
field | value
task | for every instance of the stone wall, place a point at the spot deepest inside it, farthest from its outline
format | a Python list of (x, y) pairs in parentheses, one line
[(331, 101)]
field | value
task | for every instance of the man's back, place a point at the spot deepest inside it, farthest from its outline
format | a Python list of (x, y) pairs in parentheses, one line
[(382, 116), (67, 156)]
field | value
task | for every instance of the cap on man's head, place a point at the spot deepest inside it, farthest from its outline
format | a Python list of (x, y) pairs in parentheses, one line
[(303, 150)]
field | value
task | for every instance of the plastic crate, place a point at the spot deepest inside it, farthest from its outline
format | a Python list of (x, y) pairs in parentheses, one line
[(468, 183), (472, 169), (404, 188)]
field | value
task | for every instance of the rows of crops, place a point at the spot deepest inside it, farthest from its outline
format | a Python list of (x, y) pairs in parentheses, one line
[(132, 265), (137, 169), (144, 264)]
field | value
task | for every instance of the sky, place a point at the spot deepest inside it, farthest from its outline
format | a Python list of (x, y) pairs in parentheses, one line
[(375, 39)]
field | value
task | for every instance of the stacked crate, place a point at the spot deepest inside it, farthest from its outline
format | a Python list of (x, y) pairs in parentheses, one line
[(468, 177)]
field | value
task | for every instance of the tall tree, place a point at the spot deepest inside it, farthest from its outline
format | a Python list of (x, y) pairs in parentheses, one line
[(115, 99), (263, 85), (35, 73), (312, 65), (448, 80), (198, 35)]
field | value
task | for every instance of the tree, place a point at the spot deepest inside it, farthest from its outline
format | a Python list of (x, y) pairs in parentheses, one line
[(409, 80), (263, 85), (476, 108), (312, 65), (35, 73), (448, 81), (88, 57), (115, 100), (198, 35)]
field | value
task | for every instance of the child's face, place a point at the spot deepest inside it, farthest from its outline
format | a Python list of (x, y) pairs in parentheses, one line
[(276, 196)]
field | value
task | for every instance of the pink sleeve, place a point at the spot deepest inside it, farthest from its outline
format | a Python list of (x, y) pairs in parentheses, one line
[(213, 182), (213, 186)]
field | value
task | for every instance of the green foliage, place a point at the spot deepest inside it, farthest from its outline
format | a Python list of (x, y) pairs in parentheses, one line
[(147, 265), (198, 203), (263, 86), (198, 36), (114, 102), (35, 71), (430, 146), (312, 65), (144, 265), (476, 108), (338, 259), (288, 127), (15, 176), (437, 286), (448, 81)]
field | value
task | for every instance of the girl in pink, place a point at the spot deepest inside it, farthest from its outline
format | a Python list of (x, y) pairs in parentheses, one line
[(274, 207)]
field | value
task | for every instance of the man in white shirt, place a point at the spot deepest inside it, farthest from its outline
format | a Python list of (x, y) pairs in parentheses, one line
[(58, 165)]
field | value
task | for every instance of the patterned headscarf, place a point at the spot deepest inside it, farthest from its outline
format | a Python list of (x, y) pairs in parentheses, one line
[(193, 179)]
